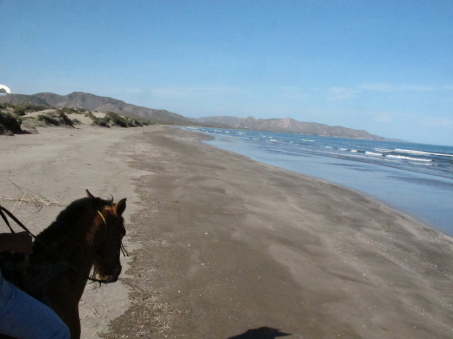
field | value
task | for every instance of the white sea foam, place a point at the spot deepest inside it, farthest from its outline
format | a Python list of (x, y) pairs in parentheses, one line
[(343, 149), (357, 156), (406, 158), (372, 153), (327, 147), (422, 152), (417, 163), (354, 150)]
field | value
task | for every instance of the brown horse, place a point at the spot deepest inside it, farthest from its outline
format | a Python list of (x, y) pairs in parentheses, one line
[(87, 234)]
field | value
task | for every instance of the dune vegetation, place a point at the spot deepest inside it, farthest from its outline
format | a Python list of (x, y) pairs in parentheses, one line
[(24, 118)]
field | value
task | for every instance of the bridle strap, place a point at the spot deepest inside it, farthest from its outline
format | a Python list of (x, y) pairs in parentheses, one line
[(103, 218), (105, 228), (123, 249)]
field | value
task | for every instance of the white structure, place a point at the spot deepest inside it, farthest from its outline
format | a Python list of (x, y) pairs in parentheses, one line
[(5, 89)]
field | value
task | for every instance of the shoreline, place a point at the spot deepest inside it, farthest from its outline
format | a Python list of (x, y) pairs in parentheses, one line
[(221, 244), (391, 185)]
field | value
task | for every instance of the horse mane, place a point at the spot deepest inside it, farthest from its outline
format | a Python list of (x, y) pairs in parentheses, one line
[(67, 218)]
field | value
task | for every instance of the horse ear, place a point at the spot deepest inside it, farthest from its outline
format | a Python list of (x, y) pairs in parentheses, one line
[(89, 195), (120, 207)]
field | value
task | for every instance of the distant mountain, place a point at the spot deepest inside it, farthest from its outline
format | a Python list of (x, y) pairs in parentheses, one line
[(105, 104), (220, 120), (288, 125), (93, 102), (16, 99)]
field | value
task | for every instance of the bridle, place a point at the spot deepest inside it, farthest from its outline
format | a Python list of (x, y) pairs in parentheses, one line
[(123, 249), (3, 210)]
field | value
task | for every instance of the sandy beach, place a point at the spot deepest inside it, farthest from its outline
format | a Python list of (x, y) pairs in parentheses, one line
[(225, 247)]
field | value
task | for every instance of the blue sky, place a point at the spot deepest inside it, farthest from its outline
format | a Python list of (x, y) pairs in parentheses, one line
[(382, 66)]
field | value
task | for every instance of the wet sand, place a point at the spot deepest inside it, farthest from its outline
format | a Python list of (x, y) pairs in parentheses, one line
[(225, 247)]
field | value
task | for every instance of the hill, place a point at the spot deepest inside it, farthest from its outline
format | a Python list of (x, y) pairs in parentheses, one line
[(16, 99), (288, 125), (93, 102)]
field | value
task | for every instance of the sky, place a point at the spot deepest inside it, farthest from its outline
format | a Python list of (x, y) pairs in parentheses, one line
[(382, 66)]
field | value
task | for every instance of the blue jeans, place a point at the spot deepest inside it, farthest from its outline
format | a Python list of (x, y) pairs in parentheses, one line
[(24, 317)]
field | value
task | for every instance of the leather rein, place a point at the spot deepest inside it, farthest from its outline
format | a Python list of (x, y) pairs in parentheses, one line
[(3, 210)]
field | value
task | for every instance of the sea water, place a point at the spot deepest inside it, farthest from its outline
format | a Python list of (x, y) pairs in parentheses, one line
[(414, 178)]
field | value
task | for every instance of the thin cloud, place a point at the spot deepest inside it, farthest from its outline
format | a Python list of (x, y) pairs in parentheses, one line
[(383, 87), (341, 93), (191, 91), (122, 90), (437, 122), (384, 119), (288, 92), (295, 96)]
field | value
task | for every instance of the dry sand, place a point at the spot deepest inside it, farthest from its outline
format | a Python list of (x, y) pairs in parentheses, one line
[(59, 164), (225, 247)]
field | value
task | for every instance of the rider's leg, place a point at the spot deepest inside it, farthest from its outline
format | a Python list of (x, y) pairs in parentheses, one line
[(23, 317)]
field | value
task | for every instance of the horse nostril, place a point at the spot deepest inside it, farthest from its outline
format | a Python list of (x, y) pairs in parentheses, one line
[(117, 270), (115, 274)]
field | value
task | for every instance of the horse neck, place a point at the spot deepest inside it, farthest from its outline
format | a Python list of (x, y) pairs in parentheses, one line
[(77, 247)]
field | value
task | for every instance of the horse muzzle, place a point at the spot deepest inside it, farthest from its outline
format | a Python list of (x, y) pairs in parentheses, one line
[(113, 276)]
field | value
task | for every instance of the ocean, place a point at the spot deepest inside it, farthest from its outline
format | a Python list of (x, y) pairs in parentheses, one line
[(414, 178)]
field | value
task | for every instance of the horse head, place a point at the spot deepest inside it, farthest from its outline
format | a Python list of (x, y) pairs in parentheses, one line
[(110, 225)]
